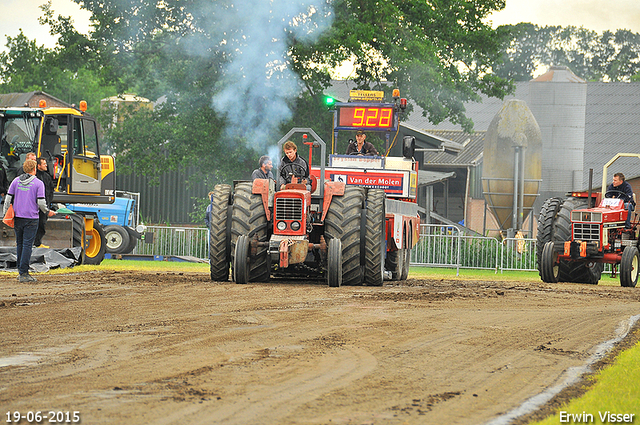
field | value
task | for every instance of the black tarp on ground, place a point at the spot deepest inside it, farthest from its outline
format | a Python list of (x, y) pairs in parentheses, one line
[(42, 259)]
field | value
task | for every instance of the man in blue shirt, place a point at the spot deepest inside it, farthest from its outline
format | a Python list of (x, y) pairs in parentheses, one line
[(26, 193), (619, 188)]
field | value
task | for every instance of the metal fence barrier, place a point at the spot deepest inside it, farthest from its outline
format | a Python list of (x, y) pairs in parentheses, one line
[(447, 246), (176, 241), (438, 246)]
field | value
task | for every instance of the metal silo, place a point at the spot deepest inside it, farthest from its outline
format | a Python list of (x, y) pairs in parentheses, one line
[(512, 164), (558, 100)]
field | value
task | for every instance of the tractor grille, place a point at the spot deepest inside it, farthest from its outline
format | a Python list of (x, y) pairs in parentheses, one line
[(288, 209), (586, 231)]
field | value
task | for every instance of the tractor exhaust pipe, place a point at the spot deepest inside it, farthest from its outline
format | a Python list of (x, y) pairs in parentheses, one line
[(590, 186)]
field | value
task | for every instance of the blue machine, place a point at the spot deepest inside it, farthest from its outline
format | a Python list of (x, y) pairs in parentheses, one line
[(121, 222)]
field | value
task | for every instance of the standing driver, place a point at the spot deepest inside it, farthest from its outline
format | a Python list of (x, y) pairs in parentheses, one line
[(292, 163), (619, 188), (361, 146)]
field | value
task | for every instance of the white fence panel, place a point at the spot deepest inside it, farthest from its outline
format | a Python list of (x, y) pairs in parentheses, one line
[(518, 254), (446, 246), (176, 241)]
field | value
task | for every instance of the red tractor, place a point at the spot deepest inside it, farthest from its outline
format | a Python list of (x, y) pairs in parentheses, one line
[(354, 224), (575, 239)]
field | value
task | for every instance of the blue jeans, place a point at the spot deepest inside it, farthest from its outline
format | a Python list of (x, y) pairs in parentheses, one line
[(629, 207), (25, 229)]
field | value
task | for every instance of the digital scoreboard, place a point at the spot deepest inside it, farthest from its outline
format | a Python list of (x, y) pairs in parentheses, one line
[(366, 117)]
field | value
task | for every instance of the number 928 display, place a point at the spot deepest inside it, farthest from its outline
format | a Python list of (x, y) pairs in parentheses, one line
[(366, 117)]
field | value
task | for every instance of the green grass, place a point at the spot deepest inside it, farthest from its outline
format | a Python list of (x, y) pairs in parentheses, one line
[(472, 274), (123, 265), (616, 390)]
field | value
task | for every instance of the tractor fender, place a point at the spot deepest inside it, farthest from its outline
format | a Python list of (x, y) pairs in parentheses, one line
[(401, 225), (331, 189), (266, 189)]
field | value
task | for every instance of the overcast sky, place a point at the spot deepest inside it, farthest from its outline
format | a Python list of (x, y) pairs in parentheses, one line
[(597, 15)]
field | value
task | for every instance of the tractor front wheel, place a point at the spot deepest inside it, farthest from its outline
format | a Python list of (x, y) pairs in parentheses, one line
[(549, 268), (629, 267), (334, 263), (241, 260), (117, 238)]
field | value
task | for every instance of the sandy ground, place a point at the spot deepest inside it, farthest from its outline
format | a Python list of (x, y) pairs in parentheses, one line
[(173, 348)]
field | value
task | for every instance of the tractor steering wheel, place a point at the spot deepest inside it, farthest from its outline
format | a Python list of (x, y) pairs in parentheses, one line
[(611, 193), (296, 169)]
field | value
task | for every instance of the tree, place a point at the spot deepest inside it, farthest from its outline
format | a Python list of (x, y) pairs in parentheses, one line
[(438, 54), (606, 57), (70, 71), (24, 66)]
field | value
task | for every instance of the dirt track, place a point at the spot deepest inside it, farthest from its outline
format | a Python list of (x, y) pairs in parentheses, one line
[(163, 348)]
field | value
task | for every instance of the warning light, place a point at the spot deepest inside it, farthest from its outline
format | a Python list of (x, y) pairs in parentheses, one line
[(403, 103), (42, 103), (83, 105), (329, 101), (396, 93)]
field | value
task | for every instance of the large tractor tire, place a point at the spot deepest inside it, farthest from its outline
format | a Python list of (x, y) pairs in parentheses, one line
[(343, 221), (117, 239), (219, 234), (546, 226), (555, 221), (95, 245), (374, 238), (248, 218)]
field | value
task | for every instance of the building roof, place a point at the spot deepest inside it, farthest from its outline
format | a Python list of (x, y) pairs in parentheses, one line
[(30, 99), (471, 149), (15, 99)]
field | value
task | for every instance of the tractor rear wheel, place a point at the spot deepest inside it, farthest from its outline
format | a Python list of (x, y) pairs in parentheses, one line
[(374, 243), (554, 225), (219, 236), (343, 221), (546, 226), (629, 267), (549, 264), (334, 263), (248, 218)]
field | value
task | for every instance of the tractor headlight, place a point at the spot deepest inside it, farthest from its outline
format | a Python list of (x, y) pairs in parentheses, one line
[(295, 226), (282, 226)]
